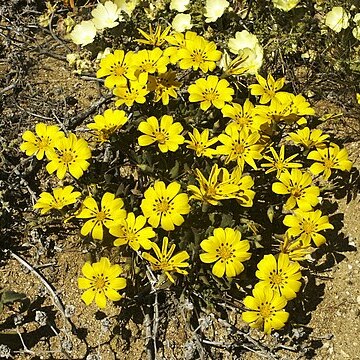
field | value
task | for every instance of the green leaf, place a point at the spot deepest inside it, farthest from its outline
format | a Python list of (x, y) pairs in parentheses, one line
[(9, 296), (174, 172)]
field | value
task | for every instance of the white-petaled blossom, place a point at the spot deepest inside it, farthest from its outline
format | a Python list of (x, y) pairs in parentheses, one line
[(126, 6), (285, 5), (182, 22), (356, 30), (179, 5), (215, 9), (247, 45), (337, 19), (106, 16), (83, 33)]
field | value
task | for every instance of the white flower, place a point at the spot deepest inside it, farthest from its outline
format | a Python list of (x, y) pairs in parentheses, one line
[(285, 5), (83, 33), (106, 16), (356, 19), (126, 6), (179, 5), (356, 32), (215, 9), (182, 22), (248, 46), (337, 19)]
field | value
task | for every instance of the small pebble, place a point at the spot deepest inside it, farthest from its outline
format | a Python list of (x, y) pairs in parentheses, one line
[(358, 299)]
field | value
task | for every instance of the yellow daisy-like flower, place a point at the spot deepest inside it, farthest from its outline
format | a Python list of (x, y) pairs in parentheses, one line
[(118, 68), (299, 186), (165, 260), (101, 281), (110, 214), (278, 163), (214, 189), (108, 123), (135, 92), (266, 310), (296, 249), (61, 197), (201, 143), (156, 38), (210, 91), (329, 158), (164, 206), (281, 275), (305, 226), (309, 138), (178, 41), (131, 231), (70, 155), (199, 53), (43, 142), (226, 249), (164, 86), (266, 88), (240, 145), (166, 134), (150, 61)]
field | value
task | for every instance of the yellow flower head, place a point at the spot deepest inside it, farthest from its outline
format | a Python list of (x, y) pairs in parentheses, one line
[(166, 134), (151, 61), (108, 123), (298, 185), (178, 41), (156, 38), (266, 310), (309, 138), (278, 163), (201, 143), (135, 92), (70, 155), (131, 231), (296, 249), (101, 281), (329, 158), (226, 249), (164, 86), (109, 215), (236, 66), (199, 53), (165, 260), (305, 225), (118, 68), (61, 197), (43, 142), (281, 275), (210, 91), (163, 205), (266, 88)]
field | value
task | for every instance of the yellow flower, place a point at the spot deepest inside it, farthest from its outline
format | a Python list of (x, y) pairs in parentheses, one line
[(329, 158), (309, 139), (164, 206), (282, 275), (165, 260), (101, 281), (131, 231), (43, 142), (61, 197), (70, 155), (210, 91), (151, 61), (107, 124), (299, 186), (235, 66), (164, 86), (214, 189), (178, 41), (201, 143), (226, 249), (278, 163), (110, 214), (118, 68), (156, 38), (199, 53), (266, 88), (266, 310), (305, 225), (135, 92), (240, 145), (296, 249), (167, 134)]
